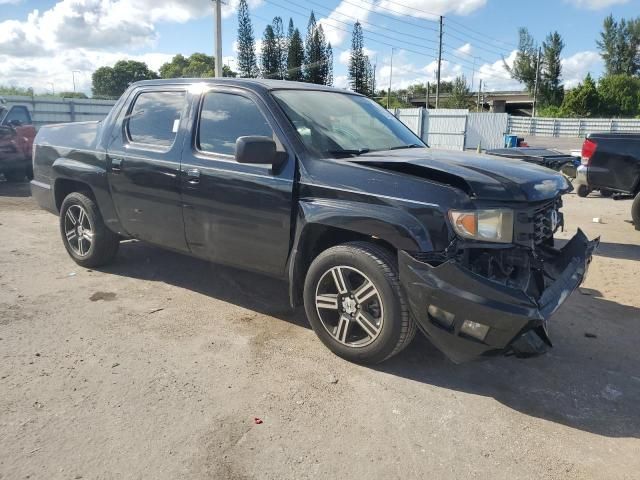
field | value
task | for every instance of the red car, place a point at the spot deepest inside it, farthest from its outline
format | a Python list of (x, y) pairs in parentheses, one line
[(16, 142)]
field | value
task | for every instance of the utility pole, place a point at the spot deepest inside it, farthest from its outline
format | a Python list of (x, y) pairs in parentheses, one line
[(535, 86), (390, 76), (439, 64), (373, 85), (473, 73), (479, 93), (427, 96), (217, 15)]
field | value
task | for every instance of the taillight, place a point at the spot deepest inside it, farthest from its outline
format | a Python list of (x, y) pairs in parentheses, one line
[(589, 147)]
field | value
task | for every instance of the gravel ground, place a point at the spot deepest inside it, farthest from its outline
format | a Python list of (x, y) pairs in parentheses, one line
[(157, 367)]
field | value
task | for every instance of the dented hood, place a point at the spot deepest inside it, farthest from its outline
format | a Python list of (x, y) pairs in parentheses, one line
[(481, 176)]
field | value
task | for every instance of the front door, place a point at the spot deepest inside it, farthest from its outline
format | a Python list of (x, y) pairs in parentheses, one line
[(236, 214), (144, 166)]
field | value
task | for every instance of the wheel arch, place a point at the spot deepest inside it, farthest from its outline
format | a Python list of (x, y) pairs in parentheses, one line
[(71, 175), (324, 224)]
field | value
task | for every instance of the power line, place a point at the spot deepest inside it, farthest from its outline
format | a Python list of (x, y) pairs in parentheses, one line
[(421, 53), (354, 19)]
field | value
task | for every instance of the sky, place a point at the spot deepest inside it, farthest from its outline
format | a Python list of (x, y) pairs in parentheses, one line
[(45, 44)]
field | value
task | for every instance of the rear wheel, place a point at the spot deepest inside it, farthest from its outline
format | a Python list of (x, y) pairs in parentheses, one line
[(635, 211), (85, 236), (354, 303), (583, 191)]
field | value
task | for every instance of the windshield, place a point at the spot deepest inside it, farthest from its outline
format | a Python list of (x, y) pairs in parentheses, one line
[(338, 124)]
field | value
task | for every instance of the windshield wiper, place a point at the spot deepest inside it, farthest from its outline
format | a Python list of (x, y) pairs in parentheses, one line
[(344, 151), (412, 145)]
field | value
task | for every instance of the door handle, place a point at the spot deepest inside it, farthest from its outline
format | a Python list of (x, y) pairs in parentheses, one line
[(193, 176), (116, 164)]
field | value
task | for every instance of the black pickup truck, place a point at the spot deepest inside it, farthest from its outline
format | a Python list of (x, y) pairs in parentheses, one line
[(376, 234), (611, 163)]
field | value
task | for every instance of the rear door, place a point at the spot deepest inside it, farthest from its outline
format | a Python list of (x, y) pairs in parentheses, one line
[(236, 214), (144, 165), (616, 163)]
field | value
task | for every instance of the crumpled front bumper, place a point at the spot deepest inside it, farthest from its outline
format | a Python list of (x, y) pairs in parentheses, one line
[(443, 297)]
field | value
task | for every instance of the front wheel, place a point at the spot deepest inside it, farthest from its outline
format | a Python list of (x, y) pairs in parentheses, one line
[(606, 193), (355, 305), (85, 236), (583, 191), (635, 211)]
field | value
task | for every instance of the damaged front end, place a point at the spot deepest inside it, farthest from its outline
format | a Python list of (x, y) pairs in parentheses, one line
[(481, 300)]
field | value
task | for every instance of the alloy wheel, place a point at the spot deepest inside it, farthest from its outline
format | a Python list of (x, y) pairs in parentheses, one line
[(349, 306), (78, 230)]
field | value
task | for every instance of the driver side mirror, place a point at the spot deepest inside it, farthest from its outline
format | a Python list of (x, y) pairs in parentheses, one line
[(257, 150)]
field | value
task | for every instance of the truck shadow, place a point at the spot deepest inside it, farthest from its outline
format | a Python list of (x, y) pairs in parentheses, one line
[(248, 290), (589, 381), (11, 189), (621, 251)]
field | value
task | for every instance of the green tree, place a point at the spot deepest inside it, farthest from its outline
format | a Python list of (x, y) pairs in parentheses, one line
[(295, 56), (620, 95), (619, 46), (18, 91), (329, 56), (524, 66), (72, 95), (316, 68), (460, 96), (359, 65), (551, 88), (198, 65), (582, 101), (111, 82), (281, 47), (269, 56), (247, 62)]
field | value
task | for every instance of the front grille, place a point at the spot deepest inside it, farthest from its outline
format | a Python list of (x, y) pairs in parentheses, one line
[(537, 225)]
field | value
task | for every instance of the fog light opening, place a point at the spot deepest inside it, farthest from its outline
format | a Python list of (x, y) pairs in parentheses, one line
[(441, 317), (475, 330)]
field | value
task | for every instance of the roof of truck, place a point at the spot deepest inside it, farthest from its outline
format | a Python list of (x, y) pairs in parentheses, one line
[(258, 84)]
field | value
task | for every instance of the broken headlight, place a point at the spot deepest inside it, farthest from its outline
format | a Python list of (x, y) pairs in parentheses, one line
[(483, 225)]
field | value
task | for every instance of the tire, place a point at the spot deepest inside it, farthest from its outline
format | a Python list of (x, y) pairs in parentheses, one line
[(377, 327), (15, 176), (583, 191), (635, 211), (93, 244), (606, 193)]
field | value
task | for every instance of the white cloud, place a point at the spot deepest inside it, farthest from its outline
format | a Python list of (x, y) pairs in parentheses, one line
[(596, 4), (465, 49), (39, 73), (337, 26), (86, 34), (576, 67), (346, 54)]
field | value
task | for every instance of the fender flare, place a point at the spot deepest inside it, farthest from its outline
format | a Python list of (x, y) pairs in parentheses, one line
[(393, 225), (95, 178)]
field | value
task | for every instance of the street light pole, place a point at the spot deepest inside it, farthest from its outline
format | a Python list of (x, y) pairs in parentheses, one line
[(73, 74), (390, 77), (217, 14)]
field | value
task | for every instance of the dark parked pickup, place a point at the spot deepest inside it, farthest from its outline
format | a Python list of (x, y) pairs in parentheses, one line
[(375, 233), (611, 163), (16, 142)]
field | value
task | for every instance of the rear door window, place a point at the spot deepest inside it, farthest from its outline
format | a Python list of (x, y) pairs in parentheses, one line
[(155, 118)]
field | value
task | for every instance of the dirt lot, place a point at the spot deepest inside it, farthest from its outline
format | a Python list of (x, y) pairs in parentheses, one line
[(155, 368)]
